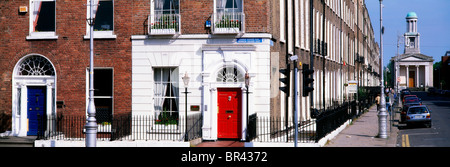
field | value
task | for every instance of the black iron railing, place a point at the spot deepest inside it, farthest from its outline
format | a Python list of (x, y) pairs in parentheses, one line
[(271, 129), (251, 127), (331, 119), (121, 127), (5, 122)]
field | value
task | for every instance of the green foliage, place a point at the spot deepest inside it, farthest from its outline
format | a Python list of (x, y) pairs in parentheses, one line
[(166, 118), (362, 93), (227, 22), (165, 22)]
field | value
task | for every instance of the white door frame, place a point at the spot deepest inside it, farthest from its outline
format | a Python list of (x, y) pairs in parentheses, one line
[(210, 97), (19, 111)]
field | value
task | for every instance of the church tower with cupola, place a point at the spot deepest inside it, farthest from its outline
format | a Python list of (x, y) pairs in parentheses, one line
[(413, 69), (412, 37)]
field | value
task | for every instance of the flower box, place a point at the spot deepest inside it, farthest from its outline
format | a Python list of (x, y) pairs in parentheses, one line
[(162, 32), (226, 31)]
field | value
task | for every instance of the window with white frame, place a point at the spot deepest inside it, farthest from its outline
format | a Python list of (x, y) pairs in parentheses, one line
[(103, 16), (229, 6), (282, 23), (164, 17), (103, 94), (42, 19), (228, 14), (36, 66), (104, 20), (166, 95), (229, 74), (166, 6)]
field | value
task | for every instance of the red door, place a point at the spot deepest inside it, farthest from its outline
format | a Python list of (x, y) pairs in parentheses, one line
[(229, 113)]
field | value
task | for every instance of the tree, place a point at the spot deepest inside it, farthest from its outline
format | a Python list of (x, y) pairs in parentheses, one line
[(389, 74), (436, 74)]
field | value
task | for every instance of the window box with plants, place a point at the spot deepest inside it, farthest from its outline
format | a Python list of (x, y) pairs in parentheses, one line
[(165, 24), (229, 23), (104, 127), (166, 121)]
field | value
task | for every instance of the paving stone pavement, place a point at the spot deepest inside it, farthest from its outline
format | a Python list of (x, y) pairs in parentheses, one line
[(363, 131), (221, 144)]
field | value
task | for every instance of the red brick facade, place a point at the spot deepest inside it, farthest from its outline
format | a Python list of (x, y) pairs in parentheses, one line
[(69, 53), (194, 14)]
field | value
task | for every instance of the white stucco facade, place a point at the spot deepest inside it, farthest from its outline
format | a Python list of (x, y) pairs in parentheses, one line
[(202, 57), (414, 70)]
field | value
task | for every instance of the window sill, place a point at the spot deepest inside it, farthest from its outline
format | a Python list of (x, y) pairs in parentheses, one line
[(102, 35), (167, 31), (53, 37)]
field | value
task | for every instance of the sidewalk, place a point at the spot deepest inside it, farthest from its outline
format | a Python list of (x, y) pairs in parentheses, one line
[(13, 141), (220, 144), (363, 131)]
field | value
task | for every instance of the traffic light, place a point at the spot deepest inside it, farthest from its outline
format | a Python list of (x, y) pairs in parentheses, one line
[(307, 80), (286, 72)]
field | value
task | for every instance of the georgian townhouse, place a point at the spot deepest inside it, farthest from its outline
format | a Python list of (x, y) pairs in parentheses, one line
[(167, 60), (350, 52), (335, 39), (45, 58), (218, 44)]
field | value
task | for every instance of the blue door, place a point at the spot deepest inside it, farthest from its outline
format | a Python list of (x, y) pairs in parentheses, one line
[(36, 107)]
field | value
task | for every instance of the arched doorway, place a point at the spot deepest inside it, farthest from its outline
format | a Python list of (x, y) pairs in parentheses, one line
[(229, 103), (33, 94), (224, 100)]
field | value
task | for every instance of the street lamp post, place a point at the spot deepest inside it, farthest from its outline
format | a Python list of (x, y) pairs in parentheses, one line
[(247, 84), (397, 72), (186, 84), (91, 124), (382, 115), (295, 101)]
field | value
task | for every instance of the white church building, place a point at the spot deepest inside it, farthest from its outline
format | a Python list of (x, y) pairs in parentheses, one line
[(415, 70)]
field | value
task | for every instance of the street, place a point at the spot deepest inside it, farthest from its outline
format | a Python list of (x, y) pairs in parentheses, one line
[(438, 134)]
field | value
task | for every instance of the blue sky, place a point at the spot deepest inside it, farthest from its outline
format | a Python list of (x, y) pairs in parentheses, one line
[(433, 25)]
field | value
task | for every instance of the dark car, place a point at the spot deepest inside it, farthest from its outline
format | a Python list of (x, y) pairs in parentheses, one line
[(447, 93), (404, 92)]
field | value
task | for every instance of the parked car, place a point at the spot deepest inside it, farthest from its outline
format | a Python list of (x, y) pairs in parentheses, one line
[(418, 115), (404, 92), (447, 93), (444, 92), (412, 100), (406, 96), (406, 107)]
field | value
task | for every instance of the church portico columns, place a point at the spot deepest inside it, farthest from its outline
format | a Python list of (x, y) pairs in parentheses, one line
[(426, 76), (417, 76), (407, 76)]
